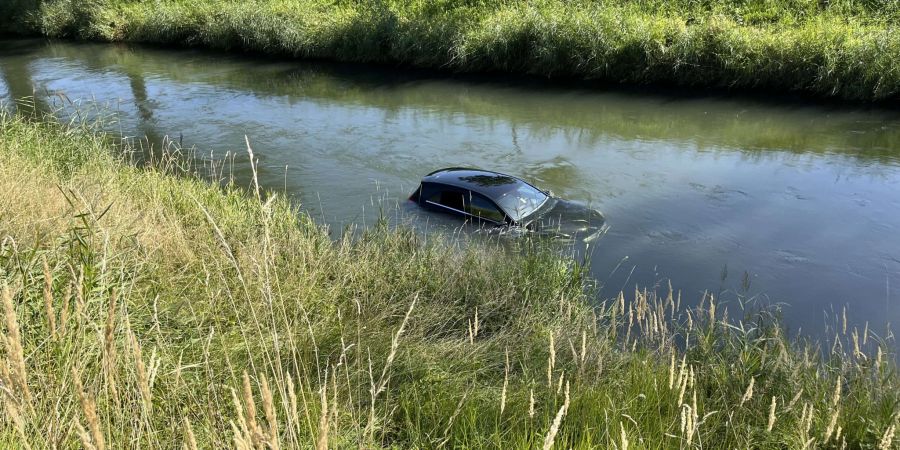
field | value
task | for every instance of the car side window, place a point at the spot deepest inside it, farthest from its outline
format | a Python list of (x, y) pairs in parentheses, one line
[(448, 198), (479, 206)]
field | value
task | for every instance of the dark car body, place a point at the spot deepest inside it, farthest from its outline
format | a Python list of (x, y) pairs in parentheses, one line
[(503, 200)]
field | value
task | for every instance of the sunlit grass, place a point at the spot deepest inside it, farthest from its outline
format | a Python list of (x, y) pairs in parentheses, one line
[(144, 309), (840, 48)]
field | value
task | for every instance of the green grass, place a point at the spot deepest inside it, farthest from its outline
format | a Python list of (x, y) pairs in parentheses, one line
[(193, 312), (833, 48)]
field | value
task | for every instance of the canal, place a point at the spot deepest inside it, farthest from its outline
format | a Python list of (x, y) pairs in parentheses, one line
[(763, 199)]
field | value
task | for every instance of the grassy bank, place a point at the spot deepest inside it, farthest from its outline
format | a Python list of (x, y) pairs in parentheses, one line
[(834, 48), (142, 309)]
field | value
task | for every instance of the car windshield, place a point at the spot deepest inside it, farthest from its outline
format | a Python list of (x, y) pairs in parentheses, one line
[(521, 201)]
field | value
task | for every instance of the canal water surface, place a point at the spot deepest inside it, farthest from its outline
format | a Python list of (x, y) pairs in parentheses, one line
[(781, 201)]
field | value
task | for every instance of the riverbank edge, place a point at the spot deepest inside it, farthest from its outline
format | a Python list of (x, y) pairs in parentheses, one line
[(827, 57), (165, 292)]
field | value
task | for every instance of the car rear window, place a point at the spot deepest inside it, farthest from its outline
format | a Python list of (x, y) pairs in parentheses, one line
[(451, 199)]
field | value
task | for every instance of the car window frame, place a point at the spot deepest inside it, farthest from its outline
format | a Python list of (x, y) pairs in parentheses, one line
[(440, 189)]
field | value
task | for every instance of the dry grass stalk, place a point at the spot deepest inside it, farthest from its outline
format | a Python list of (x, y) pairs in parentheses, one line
[(333, 417), (109, 347), (551, 361), (689, 420), (694, 407), (684, 384), (253, 166), (748, 394), (269, 409), (505, 384), (836, 397), (241, 441), (888, 438), (141, 370), (672, 371), (630, 325), (856, 350), (771, 423), (572, 349), (84, 436), (794, 399), (242, 436), (682, 373), (48, 299), (806, 418), (64, 314), (550, 438), (837, 347), (531, 404), (831, 424), (844, 327), (293, 404), (14, 351), (583, 347), (256, 435), (395, 344), (322, 440), (377, 388), (89, 407), (15, 415), (559, 385), (623, 437), (190, 440), (475, 326)]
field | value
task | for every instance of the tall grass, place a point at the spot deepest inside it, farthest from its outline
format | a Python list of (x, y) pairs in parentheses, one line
[(188, 314), (836, 48)]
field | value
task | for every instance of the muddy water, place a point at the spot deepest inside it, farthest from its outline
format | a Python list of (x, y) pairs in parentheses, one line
[(777, 200)]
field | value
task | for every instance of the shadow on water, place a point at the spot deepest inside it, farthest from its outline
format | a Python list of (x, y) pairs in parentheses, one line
[(29, 99)]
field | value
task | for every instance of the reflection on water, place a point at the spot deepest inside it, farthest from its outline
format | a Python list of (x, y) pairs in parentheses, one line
[(793, 203)]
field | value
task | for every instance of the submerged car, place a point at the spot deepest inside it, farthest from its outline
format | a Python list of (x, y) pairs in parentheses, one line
[(501, 200)]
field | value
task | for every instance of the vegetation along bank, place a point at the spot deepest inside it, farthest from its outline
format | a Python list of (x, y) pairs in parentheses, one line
[(846, 49), (143, 307)]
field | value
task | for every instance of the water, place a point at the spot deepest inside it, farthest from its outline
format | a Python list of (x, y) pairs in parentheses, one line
[(782, 201)]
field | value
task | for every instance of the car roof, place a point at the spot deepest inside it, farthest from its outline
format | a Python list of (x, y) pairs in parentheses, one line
[(485, 182)]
